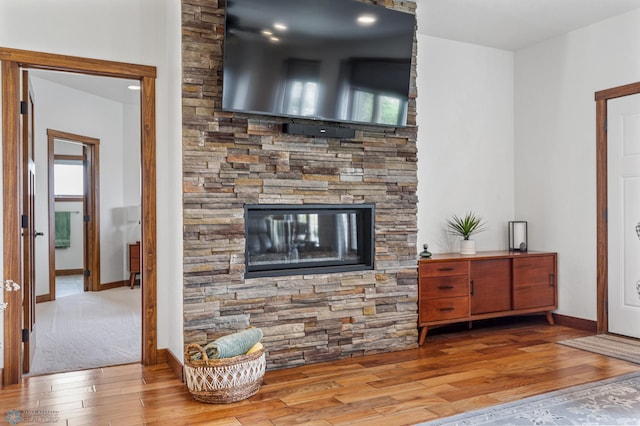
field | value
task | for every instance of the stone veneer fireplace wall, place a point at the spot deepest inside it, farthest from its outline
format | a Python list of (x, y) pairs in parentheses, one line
[(232, 159)]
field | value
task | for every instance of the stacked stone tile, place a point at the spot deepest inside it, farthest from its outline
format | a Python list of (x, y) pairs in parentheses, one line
[(231, 159)]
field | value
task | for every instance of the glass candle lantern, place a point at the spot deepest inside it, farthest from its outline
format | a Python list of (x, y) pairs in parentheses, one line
[(518, 236)]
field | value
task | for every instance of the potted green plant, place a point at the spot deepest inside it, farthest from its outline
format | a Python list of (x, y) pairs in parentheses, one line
[(466, 226)]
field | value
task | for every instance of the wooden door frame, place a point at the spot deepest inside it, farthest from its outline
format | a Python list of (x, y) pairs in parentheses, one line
[(601, 99), (91, 208), (12, 61)]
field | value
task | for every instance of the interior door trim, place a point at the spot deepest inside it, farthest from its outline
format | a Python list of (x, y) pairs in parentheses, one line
[(12, 61), (601, 99)]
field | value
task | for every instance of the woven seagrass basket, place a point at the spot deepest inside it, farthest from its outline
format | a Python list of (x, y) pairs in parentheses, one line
[(223, 380)]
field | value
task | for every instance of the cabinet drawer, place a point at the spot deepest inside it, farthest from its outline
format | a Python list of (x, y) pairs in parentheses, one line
[(443, 309), (448, 286), (440, 269)]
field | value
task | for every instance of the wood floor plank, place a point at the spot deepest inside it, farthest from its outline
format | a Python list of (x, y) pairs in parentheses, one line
[(402, 418), (369, 393), (454, 378), (456, 370), (408, 402), (362, 409), (276, 409), (451, 408)]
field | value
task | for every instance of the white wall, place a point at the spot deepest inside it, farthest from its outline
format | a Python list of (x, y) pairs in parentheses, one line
[(136, 31), (170, 162), (555, 159), (465, 141)]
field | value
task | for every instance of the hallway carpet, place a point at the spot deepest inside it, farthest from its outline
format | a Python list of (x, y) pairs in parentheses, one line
[(88, 330)]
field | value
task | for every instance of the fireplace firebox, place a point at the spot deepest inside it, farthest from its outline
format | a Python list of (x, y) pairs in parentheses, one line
[(308, 238)]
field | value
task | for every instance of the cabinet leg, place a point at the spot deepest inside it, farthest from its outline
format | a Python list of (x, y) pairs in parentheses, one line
[(423, 335), (470, 325), (549, 317), (132, 279)]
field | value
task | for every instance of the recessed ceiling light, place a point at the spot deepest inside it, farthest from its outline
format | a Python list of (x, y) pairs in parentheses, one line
[(366, 20), (133, 87), (266, 33), (274, 39), (280, 26)]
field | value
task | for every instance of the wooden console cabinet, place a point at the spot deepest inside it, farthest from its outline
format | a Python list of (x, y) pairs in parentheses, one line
[(456, 288)]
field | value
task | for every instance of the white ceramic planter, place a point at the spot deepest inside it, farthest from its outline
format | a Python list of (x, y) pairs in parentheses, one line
[(467, 247)]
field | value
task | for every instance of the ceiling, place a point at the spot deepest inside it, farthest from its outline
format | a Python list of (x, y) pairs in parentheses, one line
[(115, 89), (502, 24), (512, 24)]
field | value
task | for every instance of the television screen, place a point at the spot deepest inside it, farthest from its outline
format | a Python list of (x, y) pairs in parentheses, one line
[(332, 60)]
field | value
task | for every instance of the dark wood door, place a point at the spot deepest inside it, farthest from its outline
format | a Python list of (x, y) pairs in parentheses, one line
[(490, 286), (29, 232)]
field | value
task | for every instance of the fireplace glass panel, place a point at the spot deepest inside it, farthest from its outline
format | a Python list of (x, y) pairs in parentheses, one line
[(301, 239)]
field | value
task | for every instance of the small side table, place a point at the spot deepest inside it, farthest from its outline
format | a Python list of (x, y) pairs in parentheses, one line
[(134, 262)]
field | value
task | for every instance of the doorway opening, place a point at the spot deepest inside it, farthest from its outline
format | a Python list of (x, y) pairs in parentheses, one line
[(74, 219), (13, 62)]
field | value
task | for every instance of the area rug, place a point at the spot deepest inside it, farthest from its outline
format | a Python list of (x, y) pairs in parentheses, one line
[(614, 401), (609, 345)]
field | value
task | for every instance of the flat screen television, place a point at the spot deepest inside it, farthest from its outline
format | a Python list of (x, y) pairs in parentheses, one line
[(330, 60)]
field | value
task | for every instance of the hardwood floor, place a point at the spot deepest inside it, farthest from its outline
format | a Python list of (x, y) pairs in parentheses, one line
[(455, 371)]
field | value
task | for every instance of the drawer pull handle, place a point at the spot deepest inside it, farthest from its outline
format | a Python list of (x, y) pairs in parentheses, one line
[(445, 287), (446, 309), (446, 269)]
